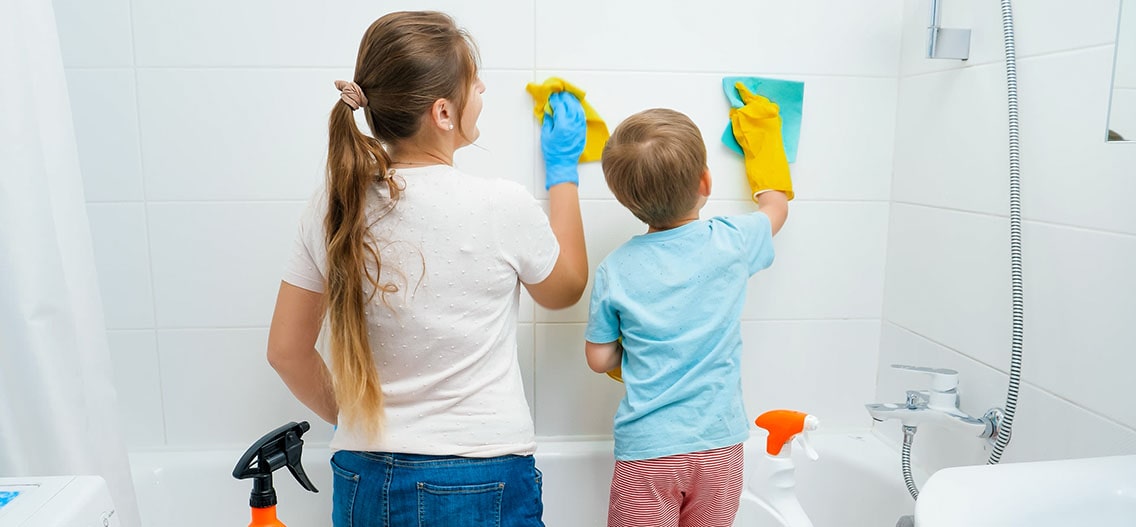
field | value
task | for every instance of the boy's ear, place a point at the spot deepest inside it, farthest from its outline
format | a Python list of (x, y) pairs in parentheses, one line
[(705, 183)]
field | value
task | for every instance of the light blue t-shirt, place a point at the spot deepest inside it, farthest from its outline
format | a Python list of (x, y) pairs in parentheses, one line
[(676, 298)]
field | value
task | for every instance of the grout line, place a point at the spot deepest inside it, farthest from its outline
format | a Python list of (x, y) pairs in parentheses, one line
[(999, 60), (1025, 220), (146, 221)]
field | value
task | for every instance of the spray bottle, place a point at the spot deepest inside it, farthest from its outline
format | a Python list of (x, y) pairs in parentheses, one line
[(279, 448), (771, 486)]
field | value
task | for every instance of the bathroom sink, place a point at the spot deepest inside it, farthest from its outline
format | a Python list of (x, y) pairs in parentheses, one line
[(1089, 491)]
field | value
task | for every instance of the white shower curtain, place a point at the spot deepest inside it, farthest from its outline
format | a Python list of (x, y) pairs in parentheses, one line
[(57, 399)]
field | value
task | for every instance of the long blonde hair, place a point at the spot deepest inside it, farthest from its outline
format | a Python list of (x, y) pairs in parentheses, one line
[(406, 62)]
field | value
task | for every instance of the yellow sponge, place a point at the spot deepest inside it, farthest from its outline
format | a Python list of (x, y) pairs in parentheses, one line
[(597, 134)]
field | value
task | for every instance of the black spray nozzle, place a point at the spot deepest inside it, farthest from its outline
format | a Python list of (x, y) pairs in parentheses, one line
[(279, 448)]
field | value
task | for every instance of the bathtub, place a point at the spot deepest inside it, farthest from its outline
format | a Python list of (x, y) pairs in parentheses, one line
[(855, 483)]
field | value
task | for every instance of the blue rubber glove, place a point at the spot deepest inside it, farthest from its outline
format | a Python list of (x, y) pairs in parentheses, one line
[(562, 138)]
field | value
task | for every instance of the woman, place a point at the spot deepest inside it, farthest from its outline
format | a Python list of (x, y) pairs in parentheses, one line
[(417, 268)]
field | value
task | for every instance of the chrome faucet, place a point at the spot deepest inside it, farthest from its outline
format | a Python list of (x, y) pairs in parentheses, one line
[(937, 406)]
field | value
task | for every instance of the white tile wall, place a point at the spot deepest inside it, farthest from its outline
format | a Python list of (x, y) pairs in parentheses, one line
[(507, 147), (526, 356), (1070, 176), (266, 33), (1122, 113), (228, 134), (829, 263), (826, 368), (948, 279), (138, 382), (1080, 313), (830, 38), (219, 391), (219, 265), (104, 111), (947, 293), (571, 399), (122, 259)]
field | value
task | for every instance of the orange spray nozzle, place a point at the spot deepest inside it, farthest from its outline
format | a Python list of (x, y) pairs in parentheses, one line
[(782, 425)]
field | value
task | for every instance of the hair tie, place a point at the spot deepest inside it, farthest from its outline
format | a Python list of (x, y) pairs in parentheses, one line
[(351, 94)]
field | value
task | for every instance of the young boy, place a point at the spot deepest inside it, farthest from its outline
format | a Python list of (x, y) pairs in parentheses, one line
[(666, 307)]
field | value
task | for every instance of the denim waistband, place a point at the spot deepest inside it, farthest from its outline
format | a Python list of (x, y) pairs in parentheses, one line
[(426, 460)]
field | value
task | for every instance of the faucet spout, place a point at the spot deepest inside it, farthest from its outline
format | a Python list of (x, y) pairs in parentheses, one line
[(921, 414)]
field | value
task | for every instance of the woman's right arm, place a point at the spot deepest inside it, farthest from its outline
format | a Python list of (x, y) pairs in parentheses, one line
[(292, 350), (562, 138), (569, 277)]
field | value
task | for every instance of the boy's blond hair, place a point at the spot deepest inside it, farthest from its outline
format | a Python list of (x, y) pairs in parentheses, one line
[(653, 163)]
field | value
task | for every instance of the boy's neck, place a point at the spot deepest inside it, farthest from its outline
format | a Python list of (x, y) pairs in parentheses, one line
[(675, 225)]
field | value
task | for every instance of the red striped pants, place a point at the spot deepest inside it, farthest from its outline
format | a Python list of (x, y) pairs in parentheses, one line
[(700, 489)]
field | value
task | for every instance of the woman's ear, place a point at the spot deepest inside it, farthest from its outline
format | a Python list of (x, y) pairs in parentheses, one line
[(441, 115)]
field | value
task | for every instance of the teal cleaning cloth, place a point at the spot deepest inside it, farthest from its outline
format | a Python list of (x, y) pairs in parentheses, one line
[(789, 96)]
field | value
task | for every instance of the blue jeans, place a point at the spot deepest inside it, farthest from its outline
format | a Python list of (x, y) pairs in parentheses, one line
[(379, 489)]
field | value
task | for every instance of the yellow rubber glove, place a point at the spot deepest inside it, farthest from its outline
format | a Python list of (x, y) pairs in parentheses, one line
[(597, 133), (757, 127)]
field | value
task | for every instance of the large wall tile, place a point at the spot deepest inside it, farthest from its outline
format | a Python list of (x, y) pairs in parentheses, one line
[(1046, 426), (219, 265), (105, 113), (526, 356), (122, 259), (954, 153), (1060, 147), (948, 278), (846, 142), (234, 134), (1122, 113), (829, 262), (259, 151), (219, 390), (826, 368), (137, 379), (1079, 311), (942, 154), (844, 38), (507, 146), (571, 399), (94, 34), (268, 33), (1040, 27)]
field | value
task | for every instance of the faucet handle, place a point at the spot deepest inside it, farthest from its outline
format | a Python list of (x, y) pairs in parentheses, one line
[(942, 379)]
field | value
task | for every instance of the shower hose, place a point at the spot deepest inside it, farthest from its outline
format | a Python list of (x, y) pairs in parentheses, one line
[(1006, 423)]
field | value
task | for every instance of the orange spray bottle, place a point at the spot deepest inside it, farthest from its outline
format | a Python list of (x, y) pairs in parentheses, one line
[(771, 486), (277, 449)]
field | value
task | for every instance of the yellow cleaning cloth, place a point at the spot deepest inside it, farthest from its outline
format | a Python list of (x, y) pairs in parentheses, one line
[(597, 134), (757, 127)]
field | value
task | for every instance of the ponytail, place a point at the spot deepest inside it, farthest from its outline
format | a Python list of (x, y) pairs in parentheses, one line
[(354, 162)]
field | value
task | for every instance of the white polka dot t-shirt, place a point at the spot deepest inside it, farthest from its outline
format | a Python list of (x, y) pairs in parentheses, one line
[(457, 247)]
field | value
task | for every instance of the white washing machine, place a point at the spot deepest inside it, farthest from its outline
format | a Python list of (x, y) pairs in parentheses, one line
[(57, 501)]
